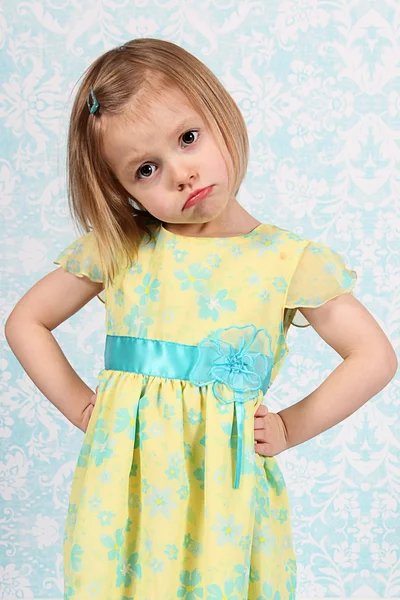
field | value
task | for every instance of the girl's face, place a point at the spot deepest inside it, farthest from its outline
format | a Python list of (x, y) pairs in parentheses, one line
[(164, 158)]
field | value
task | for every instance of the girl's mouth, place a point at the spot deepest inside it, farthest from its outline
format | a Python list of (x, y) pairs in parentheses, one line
[(199, 196)]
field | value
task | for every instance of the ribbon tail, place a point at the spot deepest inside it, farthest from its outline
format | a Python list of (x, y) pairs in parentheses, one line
[(239, 410)]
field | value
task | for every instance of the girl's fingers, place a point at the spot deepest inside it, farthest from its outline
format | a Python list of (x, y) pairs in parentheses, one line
[(260, 436), (262, 449), (93, 398), (261, 411)]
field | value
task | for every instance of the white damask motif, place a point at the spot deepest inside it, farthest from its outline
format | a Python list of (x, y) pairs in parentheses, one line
[(317, 86)]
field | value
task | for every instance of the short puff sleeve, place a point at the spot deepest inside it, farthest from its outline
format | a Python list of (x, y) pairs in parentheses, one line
[(82, 257), (320, 275)]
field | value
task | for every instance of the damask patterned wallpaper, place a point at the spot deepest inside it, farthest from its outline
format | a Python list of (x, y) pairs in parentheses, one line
[(318, 87)]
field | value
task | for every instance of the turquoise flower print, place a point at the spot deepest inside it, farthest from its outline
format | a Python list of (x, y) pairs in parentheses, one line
[(214, 260), (136, 269), (280, 284), (113, 544), (140, 435), (245, 542), (111, 323), (254, 279), (171, 551), (194, 546), (95, 273), (71, 516), (216, 593), (105, 477), (269, 593), (171, 244), (174, 467), (199, 474), (265, 296), (236, 251), (291, 583), (267, 242), (94, 503), (148, 289), (144, 401), (276, 480), (157, 565), (262, 505), (105, 517), (241, 580), (84, 455), (210, 306), (188, 450), (101, 446), (105, 381), (190, 589), (196, 273), (223, 409), (254, 575), (195, 417), (134, 500), (183, 492), (179, 255), (127, 569), (263, 540), (169, 411), (145, 485), (235, 362), (119, 297), (136, 322), (76, 557), (220, 475), (160, 502), (88, 265), (156, 429), (126, 419), (228, 532), (279, 514)]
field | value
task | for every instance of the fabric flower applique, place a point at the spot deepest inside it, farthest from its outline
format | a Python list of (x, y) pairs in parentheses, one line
[(235, 362)]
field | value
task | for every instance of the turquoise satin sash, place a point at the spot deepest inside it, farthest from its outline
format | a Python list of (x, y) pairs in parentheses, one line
[(212, 361)]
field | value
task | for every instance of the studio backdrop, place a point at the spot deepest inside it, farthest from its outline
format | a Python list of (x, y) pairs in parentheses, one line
[(318, 85)]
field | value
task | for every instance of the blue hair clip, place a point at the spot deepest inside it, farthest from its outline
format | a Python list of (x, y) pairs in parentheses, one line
[(95, 105)]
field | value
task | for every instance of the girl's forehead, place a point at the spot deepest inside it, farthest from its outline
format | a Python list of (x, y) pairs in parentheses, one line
[(126, 134), (148, 119)]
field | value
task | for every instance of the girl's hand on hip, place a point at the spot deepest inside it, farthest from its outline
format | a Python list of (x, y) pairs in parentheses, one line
[(269, 433), (88, 412)]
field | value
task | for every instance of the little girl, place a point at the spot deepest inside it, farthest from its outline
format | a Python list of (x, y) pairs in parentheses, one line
[(169, 498)]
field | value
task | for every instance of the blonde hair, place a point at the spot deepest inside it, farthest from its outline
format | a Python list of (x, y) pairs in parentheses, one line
[(141, 68)]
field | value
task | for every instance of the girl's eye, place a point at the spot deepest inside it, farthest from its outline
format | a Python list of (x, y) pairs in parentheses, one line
[(149, 165)]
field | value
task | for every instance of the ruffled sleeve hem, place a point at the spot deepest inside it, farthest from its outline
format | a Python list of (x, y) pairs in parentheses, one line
[(321, 275), (82, 258)]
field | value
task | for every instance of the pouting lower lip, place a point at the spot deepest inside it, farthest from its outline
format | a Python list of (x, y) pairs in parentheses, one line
[(202, 194)]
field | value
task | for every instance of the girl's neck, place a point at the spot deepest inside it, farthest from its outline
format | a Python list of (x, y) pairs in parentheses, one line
[(238, 222)]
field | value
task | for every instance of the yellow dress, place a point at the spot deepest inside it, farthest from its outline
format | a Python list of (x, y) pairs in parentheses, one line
[(169, 499)]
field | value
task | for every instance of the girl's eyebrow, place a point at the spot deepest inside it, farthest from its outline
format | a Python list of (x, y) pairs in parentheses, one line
[(136, 159)]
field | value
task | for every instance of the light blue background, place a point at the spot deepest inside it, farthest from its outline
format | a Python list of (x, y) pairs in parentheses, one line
[(318, 86)]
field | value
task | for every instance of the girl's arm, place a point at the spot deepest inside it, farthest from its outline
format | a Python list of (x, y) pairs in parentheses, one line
[(50, 302), (369, 364)]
